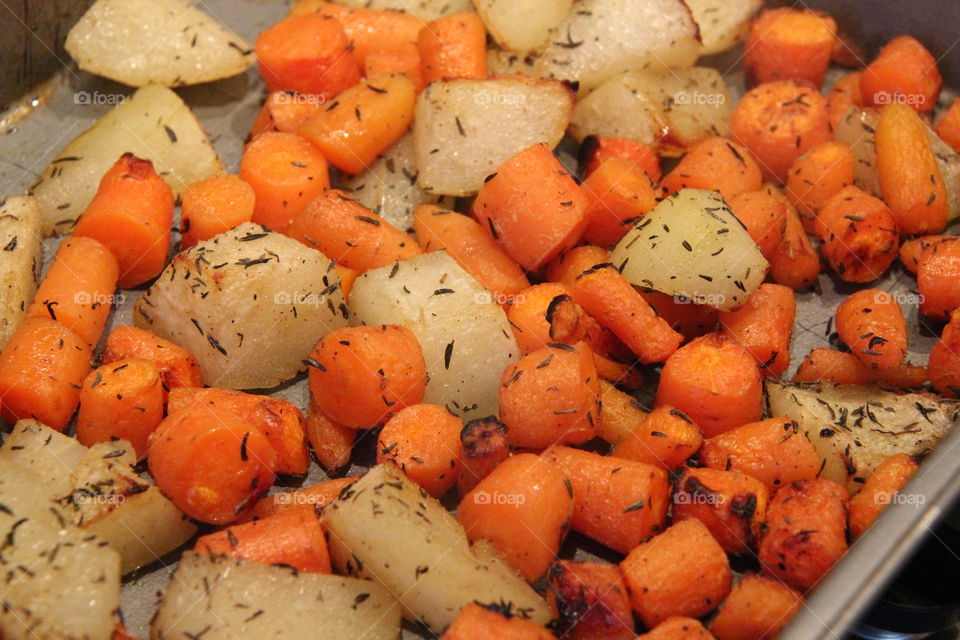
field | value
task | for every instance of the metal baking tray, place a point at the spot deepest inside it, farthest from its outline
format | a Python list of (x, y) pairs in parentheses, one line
[(71, 101)]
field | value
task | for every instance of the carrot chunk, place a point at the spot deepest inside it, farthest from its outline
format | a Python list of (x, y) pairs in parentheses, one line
[(665, 439), (178, 367), (214, 205), (595, 150), (590, 600), (871, 323), (817, 175), (764, 325), (879, 491), (787, 43), (756, 609), (619, 194), (485, 445), (478, 622), (718, 164), (859, 234), (543, 314), (904, 72), (424, 441), (731, 504), (454, 46)]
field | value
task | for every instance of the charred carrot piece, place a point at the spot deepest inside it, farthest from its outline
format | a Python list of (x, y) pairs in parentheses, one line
[(778, 122), (131, 215), (279, 421), (871, 323), (307, 53), (715, 163), (293, 538), (590, 600), (715, 381), (859, 234), (454, 46), (532, 207), (617, 502), (212, 206), (362, 121), (471, 247), (178, 367), (904, 71), (78, 288), (122, 400), (544, 314), (286, 172), (764, 325), (485, 445), (350, 234), (41, 372), (607, 296), (788, 43)]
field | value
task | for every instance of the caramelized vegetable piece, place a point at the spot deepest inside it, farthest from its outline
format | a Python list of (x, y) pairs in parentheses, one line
[(590, 600), (756, 609)]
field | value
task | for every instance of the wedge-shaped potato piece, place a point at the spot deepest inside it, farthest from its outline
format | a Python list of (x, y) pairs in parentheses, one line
[(22, 255), (464, 129), (60, 583), (166, 42), (671, 110), (465, 336), (601, 38), (110, 500), (522, 25), (154, 124), (389, 186), (692, 246), (248, 303), (47, 453), (224, 598), (723, 23), (856, 428), (424, 9), (386, 527)]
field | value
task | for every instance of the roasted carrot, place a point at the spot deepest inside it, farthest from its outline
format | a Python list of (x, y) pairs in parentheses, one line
[(805, 532), (178, 367), (590, 600), (551, 396), (871, 323), (938, 279), (731, 504), (41, 372), (665, 439), (471, 247), (944, 364), (778, 122), (485, 445), (684, 316), (286, 172), (764, 216), (795, 263), (842, 367), (363, 121), (879, 491), (122, 400), (347, 277), (368, 29), (261, 124), (764, 325), (424, 441), (908, 172), (789, 44), (718, 164), (278, 420), (78, 288), (678, 628), (523, 507), (617, 502), (331, 443), (773, 451), (816, 176), (627, 375), (756, 609), (479, 622), (543, 314), (307, 53), (532, 206), (288, 109), (604, 342), (293, 538), (313, 497), (361, 376), (859, 234), (607, 296), (212, 464), (349, 233), (404, 59), (914, 250), (844, 94), (715, 381), (131, 215), (595, 150), (212, 206), (903, 72), (619, 193), (454, 46), (620, 414), (948, 127), (681, 572)]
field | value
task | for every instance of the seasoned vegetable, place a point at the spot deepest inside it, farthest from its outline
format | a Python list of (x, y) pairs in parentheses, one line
[(591, 600), (756, 609), (522, 25), (20, 236), (424, 441), (722, 23), (453, 46)]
